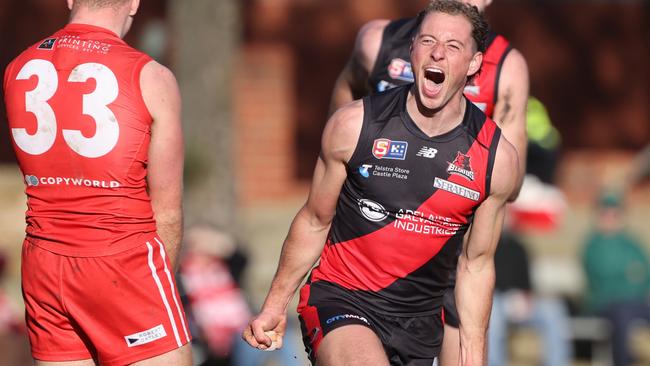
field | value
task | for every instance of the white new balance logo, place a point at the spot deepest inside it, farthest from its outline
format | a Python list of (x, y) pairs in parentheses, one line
[(427, 152)]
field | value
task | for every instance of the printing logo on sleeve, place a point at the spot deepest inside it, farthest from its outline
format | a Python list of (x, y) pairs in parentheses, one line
[(401, 70), (387, 149), (461, 166), (47, 44)]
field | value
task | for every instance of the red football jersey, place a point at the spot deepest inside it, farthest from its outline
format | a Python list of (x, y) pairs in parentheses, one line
[(81, 133), (483, 89)]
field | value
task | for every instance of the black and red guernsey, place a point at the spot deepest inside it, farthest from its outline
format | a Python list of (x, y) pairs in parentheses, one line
[(393, 65), (406, 203)]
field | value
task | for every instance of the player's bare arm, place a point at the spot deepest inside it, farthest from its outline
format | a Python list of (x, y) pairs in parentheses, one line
[(165, 169), (510, 109), (475, 272), (309, 229), (352, 83)]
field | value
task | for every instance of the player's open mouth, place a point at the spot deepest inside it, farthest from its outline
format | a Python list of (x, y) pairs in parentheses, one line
[(433, 79), (435, 75)]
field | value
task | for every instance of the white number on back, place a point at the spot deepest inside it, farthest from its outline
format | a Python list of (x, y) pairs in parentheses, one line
[(94, 105), (36, 102)]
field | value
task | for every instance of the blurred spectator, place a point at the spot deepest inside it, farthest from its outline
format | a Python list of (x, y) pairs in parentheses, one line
[(209, 270), (640, 171), (618, 275), (543, 142), (515, 302), (14, 345), (539, 207), (540, 204), (11, 321)]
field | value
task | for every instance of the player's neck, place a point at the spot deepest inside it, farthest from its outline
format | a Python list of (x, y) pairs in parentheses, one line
[(104, 18), (439, 121)]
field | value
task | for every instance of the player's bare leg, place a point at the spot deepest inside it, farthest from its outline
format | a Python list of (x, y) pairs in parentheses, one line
[(450, 352), (351, 345), (88, 362), (178, 357)]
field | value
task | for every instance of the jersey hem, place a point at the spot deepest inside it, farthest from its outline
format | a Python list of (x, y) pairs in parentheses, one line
[(95, 252)]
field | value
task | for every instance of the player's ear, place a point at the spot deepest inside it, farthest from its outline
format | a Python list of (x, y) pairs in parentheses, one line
[(135, 4), (70, 3), (475, 63)]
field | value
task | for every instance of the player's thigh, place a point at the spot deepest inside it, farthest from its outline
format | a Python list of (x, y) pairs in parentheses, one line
[(450, 351), (125, 305), (351, 345), (88, 362), (178, 357)]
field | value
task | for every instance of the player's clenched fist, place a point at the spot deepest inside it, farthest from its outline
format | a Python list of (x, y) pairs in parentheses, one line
[(265, 332)]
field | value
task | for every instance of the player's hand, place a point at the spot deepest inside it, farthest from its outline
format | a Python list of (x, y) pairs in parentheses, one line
[(266, 330)]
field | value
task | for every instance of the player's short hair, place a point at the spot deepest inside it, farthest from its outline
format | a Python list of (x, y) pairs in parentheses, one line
[(455, 7), (97, 4)]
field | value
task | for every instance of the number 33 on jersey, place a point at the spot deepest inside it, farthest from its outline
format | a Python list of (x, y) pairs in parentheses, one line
[(94, 104), (72, 100), (81, 133)]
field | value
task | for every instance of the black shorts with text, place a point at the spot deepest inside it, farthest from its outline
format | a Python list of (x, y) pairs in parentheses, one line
[(325, 306)]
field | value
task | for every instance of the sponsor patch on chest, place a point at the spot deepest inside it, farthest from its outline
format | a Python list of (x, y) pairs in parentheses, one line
[(372, 210), (461, 166), (456, 189), (389, 149)]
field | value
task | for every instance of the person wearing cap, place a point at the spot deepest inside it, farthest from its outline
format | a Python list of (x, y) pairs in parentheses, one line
[(617, 270)]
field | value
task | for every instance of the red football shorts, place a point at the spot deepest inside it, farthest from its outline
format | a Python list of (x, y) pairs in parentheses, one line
[(117, 309)]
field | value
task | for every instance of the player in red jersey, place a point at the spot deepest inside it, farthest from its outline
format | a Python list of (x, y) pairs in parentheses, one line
[(380, 61), (400, 176), (97, 133)]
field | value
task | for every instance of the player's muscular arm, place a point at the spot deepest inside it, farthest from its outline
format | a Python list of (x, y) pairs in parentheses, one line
[(352, 83), (475, 272), (309, 229), (510, 110), (165, 168)]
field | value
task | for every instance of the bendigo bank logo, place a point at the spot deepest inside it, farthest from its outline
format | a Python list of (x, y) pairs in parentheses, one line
[(387, 149), (460, 166)]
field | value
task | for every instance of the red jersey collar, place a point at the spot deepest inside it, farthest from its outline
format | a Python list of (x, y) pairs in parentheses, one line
[(89, 27)]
